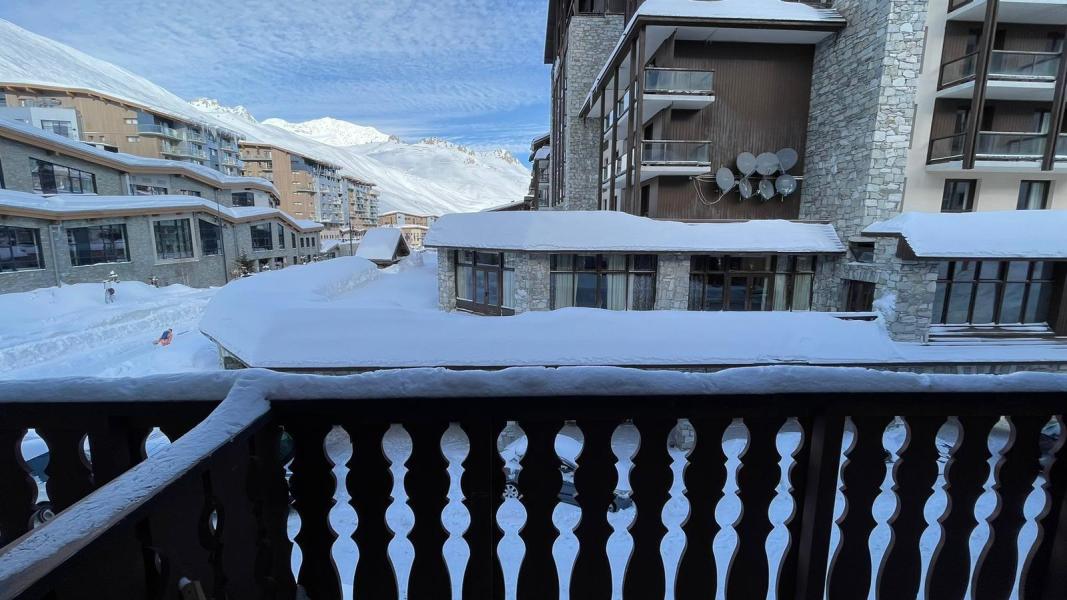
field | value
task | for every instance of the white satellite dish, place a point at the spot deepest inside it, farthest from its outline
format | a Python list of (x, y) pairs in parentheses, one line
[(725, 179), (767, 163), (745, 187), (788, 158), (746, 163), (786, 185), (766, 189)]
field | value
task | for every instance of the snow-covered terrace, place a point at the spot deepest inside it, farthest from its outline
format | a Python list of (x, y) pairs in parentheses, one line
[(1024, 234), (85, 206), (347, 315), (610, 231), (129, 162)]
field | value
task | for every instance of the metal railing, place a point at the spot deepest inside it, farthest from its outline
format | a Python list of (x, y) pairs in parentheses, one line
[(679, 81), (778, 452), (676, 152), (1003, 65), (994, 145), (157, 129)]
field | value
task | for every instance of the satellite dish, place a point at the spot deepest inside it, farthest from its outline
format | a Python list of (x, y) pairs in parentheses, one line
[(767, 163), (788, 159), (725, 178), (746, 163), (786, 184), (766, 189), (745, 187)]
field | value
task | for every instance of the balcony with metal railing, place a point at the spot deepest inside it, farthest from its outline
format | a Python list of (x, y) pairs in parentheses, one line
[(1022, 148), (1035, 12), (786, 482), (156, 129), (1013, 75)]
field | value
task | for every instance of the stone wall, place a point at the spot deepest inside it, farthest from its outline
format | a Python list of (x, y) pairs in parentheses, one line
[(15, 162), (590, 40), (446, 279), (859, 132), (672, 282)]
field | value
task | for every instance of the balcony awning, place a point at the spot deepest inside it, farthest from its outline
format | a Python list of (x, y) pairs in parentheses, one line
[(606, 231), (1022, 234)]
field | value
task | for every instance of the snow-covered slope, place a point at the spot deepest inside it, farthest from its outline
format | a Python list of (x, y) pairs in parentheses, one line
[(334, 132), (431, 177)]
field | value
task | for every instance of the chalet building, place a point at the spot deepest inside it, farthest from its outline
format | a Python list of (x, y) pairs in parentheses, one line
[(121, 125), (395, 218), (384, 246), (852, 113), (310, 189), (540, 173)]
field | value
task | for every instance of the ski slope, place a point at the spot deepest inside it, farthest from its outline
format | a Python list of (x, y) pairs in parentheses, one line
[(69, 331)]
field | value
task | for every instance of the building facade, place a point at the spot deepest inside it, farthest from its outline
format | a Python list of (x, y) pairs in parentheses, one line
[(123, 126), (852, 113), (539, 196), (308, 188)]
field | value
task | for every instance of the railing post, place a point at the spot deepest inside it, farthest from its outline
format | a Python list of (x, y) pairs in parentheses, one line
[(817, 513)]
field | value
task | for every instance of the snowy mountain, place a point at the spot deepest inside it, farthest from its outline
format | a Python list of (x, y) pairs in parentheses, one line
[(432, 176), (333, 132)]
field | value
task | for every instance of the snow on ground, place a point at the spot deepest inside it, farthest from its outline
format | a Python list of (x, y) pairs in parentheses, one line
[(69, 331)]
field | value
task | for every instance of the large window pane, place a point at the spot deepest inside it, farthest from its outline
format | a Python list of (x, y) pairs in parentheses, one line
[(738, 290), (642, 291), (714, 292), (174, 239), (758, 297), (463, 283), (801, 292), (985, 303), (99, 244), (261, 237), (939, 303), (210, 238), (508, 301), (479, 287), (613, 290), (20, 248), (585, 290), (696, 292), (492, 295), (959, 303), (1011, 308), (562, 290), (1038, 302)]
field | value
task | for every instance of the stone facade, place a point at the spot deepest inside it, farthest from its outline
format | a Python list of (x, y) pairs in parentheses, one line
[(857, 150), (15, 163), (590, 40), (446, 278), (672, 282), (199, 271)]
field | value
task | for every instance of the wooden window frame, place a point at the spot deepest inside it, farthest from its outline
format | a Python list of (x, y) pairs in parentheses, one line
[(946, 280), (629, 271), (728, 274), (476, 267), (972, 193)]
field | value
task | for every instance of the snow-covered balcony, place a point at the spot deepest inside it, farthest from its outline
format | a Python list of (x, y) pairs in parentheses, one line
[(786, 482), (1002, 151), (1013, 75)]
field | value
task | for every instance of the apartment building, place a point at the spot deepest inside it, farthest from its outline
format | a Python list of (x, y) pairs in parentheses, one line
[(309, 189), (852, 113), (394, 218), (122, 126), (363, 203), (142, 218), (539, 195)]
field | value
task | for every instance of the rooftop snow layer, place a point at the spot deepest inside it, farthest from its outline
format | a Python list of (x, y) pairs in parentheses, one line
[(1035, 234), (609, 231), (744, 10), (219, 179), (380, 244), (77, 204)]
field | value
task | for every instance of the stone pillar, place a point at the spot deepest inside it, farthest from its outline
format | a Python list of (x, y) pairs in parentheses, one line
[(672, 282), (906, 296), (590, 40), (446, 279)]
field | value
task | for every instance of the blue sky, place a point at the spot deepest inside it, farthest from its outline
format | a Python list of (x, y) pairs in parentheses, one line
[(466, 70)]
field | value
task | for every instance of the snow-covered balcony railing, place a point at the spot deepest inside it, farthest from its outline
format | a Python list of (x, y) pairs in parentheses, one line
[(659, 80), (1006, 65), (996, 146), (783, 482)]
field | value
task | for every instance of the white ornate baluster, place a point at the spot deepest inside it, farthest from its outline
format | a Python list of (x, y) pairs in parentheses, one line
[(342, 515), (511, 516), (783, 508), (399, 516), (676, 510), (567, 515), (624, 444), (728, 511), (455, 445)]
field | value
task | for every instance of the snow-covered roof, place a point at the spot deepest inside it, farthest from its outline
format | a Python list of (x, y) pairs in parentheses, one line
[(609, 231), (542, 153), (1035, 234), (122, 161), (74, 206), (382, 244)]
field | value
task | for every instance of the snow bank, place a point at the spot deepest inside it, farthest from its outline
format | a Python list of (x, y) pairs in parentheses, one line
[(1035, 234), (390, 319), (609, 231)]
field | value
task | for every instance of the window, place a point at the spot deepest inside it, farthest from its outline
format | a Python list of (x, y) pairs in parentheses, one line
[(56, 179), (611, 281), (133, 139), (98, 244), (302, 240), (243, 199), (281, 237), (859, 296), (862, 252), (57, 127), (1033, 195), (993, 292), (20, 249), (132, 121), (1, 170), (210, 238), (149, 190), (485, 282), (958, 196), (261, 237), (293, 239), (751, 282), (190, 193), (174, 239)]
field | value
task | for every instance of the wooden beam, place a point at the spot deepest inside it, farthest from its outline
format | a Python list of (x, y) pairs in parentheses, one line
[(981, 78), (602, 169), (612, 171), (639, 125), (1059, 106)]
